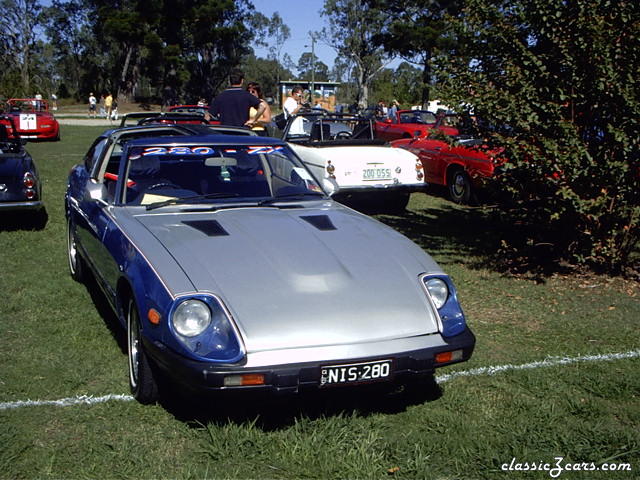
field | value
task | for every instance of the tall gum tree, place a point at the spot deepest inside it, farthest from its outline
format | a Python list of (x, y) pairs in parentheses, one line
[(353, 24), (20, 27)]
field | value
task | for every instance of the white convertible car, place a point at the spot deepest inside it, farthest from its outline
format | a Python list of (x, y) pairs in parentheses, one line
[(340, 150)]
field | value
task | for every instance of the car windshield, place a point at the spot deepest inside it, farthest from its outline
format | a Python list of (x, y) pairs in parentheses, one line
[(328, 127), (417, 116), (164, 175)]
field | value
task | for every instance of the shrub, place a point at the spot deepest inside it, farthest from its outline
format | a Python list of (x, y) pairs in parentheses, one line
[(555, 84)]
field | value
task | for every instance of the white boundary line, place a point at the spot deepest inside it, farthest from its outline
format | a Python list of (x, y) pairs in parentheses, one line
[(489, 371)]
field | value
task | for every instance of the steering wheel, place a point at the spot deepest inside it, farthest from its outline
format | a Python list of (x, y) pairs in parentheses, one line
[(343, 135), (163, 184)]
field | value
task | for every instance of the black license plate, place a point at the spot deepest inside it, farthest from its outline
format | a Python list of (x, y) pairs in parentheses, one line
[(355, 373)]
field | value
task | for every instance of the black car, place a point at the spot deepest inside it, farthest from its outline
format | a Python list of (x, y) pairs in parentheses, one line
[(20, 186)]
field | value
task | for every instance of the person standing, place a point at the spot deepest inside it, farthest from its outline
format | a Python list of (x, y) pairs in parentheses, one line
[(108, 105), (392, 113), (233, 104), (294, 103), (92, 105), (261, 125)]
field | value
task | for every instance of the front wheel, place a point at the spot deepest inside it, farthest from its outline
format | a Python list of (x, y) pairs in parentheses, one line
[(461, 188), (141, 377)]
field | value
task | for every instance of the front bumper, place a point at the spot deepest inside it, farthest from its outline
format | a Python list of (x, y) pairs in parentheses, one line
[(301, 376), (38, 134)]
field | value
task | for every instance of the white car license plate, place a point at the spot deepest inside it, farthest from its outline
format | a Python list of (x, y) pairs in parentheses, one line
[(369, 174), (355, 373)]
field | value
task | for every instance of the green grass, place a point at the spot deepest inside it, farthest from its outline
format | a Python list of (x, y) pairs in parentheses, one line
[(58, 340)]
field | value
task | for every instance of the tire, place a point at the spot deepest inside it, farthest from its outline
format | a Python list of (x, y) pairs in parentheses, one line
[(76, 264), (142, 382), (460, 187)]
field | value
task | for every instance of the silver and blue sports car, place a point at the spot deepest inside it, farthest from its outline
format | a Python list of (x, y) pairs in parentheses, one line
[(230, 268)]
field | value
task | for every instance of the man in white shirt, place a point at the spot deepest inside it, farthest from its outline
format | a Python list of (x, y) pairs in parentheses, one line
[(293, 104), (92, 105)]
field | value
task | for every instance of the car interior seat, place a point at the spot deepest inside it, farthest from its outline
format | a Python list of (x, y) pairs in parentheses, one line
[(320, 131)]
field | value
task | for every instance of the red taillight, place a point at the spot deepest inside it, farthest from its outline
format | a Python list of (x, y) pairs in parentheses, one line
[(28, 180), (31, 194)]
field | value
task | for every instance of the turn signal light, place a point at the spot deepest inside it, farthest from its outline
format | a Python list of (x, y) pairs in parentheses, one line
[(446, 357), (154, 316), (244, 380)]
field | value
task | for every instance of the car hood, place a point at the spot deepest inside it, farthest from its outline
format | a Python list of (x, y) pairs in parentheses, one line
[(303, 276)]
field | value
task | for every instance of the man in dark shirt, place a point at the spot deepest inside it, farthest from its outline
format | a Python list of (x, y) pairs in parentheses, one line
[(233, 104)]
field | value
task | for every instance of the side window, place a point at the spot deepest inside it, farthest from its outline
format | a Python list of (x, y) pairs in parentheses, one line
[(94, 154)]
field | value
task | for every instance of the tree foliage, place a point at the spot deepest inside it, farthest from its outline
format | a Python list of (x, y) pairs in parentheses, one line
[(417, 30), (352, 26), (308, 63), (556, 83), (20, 25)]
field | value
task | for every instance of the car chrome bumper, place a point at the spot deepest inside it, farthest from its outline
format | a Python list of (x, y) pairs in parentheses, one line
[(295, 376), (21, 205), (391, 187)]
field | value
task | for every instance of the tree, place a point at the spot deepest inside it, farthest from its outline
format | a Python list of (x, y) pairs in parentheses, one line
[(557, 84), (68, 31), (20, 26), (407, 84), (417, 30), (214, 40), (352, 26), (307, 64), (272, 33), (263, 71)]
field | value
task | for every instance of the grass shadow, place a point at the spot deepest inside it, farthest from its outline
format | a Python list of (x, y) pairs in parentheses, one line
[(23, 220), (477, 237), (450, 232), (105, 311), (272, 411)]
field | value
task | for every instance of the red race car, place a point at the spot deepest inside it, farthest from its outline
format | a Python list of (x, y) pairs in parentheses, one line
[(462, 167), (409, 124), (32, 119)]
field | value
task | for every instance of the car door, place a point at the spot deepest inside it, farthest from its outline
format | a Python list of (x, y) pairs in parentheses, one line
[(434, 155), (96, 228), (89, 212)]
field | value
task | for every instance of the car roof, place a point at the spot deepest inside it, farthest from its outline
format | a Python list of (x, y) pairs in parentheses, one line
[(219, 139)]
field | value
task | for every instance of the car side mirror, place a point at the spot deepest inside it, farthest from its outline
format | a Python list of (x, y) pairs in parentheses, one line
[(96, 192)]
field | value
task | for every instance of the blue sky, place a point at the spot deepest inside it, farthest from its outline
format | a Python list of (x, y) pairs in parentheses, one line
[(302, 17)]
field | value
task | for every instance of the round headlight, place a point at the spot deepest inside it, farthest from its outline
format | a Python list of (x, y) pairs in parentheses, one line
[(438, 290), (191, 318)]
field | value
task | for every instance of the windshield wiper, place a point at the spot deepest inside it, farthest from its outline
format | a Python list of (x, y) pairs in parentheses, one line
[(287, 196), (178, 200)]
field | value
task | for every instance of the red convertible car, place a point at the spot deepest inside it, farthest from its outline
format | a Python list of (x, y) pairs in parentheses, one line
[(32, 119), (462, 167), (409, 124)]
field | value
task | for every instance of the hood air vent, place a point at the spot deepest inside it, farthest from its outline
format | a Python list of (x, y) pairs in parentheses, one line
[(210, 228), (321, 222)]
